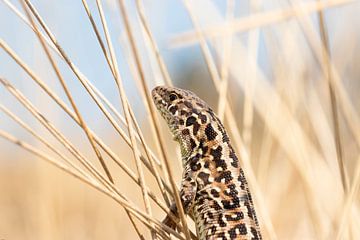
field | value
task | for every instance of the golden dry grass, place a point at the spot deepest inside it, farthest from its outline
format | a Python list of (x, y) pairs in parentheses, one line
[(282, 78)]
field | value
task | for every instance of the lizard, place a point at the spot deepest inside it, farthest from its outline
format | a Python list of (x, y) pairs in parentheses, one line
[(214, 190)]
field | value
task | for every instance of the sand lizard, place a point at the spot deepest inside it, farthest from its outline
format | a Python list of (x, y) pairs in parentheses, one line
[(213, 189)]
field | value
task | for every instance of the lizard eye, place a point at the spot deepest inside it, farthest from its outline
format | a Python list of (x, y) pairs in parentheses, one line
[(173, 96)]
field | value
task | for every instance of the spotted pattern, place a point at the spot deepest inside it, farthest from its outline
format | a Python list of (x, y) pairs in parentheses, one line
[(213, 188)]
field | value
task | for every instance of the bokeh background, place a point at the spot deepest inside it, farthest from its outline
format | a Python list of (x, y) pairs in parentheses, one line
[(288, 69)]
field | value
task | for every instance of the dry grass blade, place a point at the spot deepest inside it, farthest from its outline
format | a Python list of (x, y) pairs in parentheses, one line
[(126, 109), (107, 149), (66, 143), (97, 33), (108, 185), (53, 149), (263, 89), (248, 114), (79, 76), (231, 119), (154, 47), (258, 20), (69, 96), (93, 91), (144, 218), (58, 135), (82, 79), (42, 140), (344, 220), (322, 54), (333, 102), (125, 18), (77, 112), (149, 154), (90, 87), (224, 71)]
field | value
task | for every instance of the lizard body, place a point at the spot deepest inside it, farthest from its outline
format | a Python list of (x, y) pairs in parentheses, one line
[(213, 189)]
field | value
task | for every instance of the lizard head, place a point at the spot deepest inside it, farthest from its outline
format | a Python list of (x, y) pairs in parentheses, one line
[(187, 116)]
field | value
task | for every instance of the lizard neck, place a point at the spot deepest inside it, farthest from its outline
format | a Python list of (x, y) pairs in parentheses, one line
[(204, 151)]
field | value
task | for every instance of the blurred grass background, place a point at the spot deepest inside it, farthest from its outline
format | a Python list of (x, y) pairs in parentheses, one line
[(285, 68)]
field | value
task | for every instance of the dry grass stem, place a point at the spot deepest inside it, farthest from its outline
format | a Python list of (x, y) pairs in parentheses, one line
[(333, 102), (69, 96), (152, 114), (154, 47), (107, 149), (126, 108), (258, 20), (322, 55), (77, 112), (224, 71), (231, 120), (42, 140), (345, 219), (138, 131), (77, 73), (143, 217), (86, 81), (71, 148), (248, 114)]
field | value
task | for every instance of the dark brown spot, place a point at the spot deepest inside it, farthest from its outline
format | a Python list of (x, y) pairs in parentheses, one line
[(213, 229), (206, 164), (210, 132), (242, 180), (195, 167), (190, 121), (188, 104), (192, 143), (215, 193), (216, 153), (233, 157), (234, 216), (232, 233), (216, 206), (203, 118), (226, 175), (173, 109), (185, 131), (254, 233), (200, 104), (221, 221), (196, 127), (221, 236), (224, 135), (249, 209), (203, 146), (204, 177), (183, 113), (231, 193), (232, 186), (220, 163), (242, 228), (205, 149), (234, 203)]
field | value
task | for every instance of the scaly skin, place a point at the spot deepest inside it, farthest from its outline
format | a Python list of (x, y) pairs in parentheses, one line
[(213, 189)]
